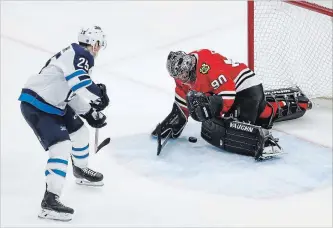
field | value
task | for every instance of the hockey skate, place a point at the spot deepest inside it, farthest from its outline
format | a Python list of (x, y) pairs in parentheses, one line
[(86, 176), (53, 209), (271, 149)]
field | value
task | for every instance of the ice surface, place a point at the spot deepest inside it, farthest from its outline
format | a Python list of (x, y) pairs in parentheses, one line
[(189, 184)]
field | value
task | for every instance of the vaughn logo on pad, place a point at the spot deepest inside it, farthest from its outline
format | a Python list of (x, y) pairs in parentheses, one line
[(242, 127), (277, 91)]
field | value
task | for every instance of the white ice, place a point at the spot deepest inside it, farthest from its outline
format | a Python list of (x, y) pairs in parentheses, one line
[(189, 184)]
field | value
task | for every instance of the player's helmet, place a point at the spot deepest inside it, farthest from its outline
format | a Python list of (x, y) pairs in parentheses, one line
[(92, 35), (181, 66)]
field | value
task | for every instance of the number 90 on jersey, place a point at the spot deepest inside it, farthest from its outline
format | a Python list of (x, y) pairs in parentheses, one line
[(219, 81)]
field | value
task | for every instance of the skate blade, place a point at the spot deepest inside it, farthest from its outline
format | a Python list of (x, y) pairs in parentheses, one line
[(88, 183), (53, 215), (271, 153)]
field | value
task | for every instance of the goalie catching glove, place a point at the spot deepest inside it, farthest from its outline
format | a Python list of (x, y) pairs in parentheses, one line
[(202, 107), (174, 122)]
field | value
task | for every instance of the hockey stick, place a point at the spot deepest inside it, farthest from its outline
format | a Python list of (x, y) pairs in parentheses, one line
[(103, 143), (96, 139), (161, 145)]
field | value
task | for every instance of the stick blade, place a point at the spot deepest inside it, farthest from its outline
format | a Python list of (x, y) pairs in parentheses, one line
[(159, 139), (103, 144)]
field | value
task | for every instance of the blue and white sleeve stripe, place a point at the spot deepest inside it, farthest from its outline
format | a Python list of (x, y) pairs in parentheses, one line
[(79, 79), (76, 74), (82, 84), (91, 92)]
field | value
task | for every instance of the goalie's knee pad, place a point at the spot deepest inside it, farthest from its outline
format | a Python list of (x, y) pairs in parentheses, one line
[(238, 137), (288, 103)]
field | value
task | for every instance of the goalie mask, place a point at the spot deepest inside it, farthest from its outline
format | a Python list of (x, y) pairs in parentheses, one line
[(181, 66)]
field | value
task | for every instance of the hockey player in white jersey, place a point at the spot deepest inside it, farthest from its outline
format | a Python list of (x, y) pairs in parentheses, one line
[(51, 103)]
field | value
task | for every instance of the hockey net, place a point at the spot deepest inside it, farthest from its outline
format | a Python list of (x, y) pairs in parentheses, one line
[(290, 44)]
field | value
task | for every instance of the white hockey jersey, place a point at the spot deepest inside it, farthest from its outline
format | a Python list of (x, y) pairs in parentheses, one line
[(64, 80)]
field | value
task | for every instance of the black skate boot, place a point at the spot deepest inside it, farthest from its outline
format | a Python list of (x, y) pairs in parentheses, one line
[(86, 176), (270, 149), (52, 208)]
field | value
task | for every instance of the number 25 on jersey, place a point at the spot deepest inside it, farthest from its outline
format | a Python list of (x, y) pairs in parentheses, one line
[(83, 63)]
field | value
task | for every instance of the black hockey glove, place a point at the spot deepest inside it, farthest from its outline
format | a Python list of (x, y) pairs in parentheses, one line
[(95, 119), (174, 122), (103, 101), (202, 107)]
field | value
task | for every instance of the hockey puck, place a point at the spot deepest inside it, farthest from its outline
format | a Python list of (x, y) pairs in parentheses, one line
[(192, 139)]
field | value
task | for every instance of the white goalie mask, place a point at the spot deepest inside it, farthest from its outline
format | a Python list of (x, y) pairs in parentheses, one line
[(181, 66), (92, 35)]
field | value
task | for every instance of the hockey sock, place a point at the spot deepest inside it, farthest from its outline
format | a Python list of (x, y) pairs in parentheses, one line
[(57, 166), (80, 147)]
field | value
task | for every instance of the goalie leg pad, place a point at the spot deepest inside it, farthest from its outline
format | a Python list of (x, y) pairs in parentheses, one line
[(294, 103), (240, 138), (232, 136)]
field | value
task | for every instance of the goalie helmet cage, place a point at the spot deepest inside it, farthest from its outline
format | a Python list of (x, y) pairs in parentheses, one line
[(290, 44)]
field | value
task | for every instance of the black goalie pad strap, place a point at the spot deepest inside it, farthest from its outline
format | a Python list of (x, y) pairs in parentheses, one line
[(292, 94), (292, 97)]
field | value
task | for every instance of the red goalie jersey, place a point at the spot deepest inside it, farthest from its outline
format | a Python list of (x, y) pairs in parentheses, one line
[(216, 74)]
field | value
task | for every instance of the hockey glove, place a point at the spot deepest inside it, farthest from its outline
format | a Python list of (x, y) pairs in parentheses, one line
[(174, 122), (101, 103), (202, 107), (95, 119)]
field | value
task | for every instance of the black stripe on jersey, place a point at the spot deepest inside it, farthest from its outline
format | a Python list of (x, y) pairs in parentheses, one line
[(242, 75), (83, 77), (180, 101), (228, 95), (243, 79)]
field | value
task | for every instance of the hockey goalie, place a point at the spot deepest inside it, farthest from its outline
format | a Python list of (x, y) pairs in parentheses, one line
[(226, 96)]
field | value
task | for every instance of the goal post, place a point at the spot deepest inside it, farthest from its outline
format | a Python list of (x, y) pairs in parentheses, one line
[(290, 44)]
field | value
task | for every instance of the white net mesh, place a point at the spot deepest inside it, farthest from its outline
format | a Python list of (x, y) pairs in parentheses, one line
[(293, 46)]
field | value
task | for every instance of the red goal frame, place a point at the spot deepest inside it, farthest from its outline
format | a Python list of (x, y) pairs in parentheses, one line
[(250, 22)]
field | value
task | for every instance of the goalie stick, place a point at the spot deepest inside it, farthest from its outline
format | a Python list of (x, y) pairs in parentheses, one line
[(161, 145)]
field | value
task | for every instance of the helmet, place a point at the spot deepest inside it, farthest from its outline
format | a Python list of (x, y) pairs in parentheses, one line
[(180, 65), (92, 35)]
